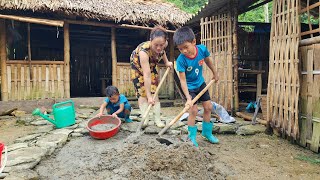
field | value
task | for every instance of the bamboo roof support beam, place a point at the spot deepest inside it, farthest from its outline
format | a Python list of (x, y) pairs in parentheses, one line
[(114, 56), (3, 58), (66, 37), (33, 20)]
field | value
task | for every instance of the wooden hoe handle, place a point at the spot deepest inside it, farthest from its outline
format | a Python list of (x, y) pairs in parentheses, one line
[(185, 109), (154, 97)]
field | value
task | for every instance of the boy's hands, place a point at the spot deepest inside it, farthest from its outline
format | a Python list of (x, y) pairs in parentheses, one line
[(114, 115), (215, 77), (99, 115), (189, 103), (169, 64)]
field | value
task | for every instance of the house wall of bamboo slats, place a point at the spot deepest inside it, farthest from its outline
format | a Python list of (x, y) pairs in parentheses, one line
[(125, 85), (283, 83), (216, 35), (310, 97), (309, 101)]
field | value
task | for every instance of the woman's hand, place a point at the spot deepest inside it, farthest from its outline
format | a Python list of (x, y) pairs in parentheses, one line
[(151, 101), (169, 64), (99, 115)]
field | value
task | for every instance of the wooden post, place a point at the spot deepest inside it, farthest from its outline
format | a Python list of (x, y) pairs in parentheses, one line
[(66, 35), (171, 59), (114, 56), (29, 50), (235, 55), (3, 58)]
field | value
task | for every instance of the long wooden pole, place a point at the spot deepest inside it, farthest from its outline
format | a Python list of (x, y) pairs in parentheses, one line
[(29, 51), (33, 20), (171, 59), (114, 56), (66, 37), (185, 109), (3, 58), (235, 55)]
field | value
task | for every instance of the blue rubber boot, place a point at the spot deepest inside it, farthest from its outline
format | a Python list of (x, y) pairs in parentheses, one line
[(207, 132), (193, 135)]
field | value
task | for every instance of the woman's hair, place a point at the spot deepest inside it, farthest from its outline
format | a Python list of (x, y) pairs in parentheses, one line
[(158, 31), (111, 90)]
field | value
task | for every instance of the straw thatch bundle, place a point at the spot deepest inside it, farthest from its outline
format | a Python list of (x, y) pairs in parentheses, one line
[(135, 11)]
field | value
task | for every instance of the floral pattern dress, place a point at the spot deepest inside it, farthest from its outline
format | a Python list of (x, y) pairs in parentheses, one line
[(137, 72)]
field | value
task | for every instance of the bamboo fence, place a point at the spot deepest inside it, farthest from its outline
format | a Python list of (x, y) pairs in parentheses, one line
[(45, 79), (283, 83), (216, 35)]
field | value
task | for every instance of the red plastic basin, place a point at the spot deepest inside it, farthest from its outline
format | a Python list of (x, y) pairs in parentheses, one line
[(106, 119)]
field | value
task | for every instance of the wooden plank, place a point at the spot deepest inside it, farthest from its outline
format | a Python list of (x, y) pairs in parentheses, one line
[(3, 58), (43, 81), (19, 82), (39, 71), (55, 82), (47, 86), (23, 88), (9, 82), (314, 146), (27, 77), (15, 82)]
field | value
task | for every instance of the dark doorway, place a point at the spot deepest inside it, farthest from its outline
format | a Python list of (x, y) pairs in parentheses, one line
[(90, 60)]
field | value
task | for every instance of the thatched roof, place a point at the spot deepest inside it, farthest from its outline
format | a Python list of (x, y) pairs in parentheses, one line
[(134, 11)]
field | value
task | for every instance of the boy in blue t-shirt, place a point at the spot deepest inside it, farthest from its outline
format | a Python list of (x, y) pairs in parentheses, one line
[(189, 65), (116, 104)]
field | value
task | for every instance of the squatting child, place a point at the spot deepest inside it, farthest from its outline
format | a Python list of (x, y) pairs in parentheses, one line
[(189, 65), (116, 104)]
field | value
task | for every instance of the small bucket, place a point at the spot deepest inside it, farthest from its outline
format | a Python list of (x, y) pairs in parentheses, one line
[(3, 148)]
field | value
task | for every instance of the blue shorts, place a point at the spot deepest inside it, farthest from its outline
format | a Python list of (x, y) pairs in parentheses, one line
[(116, 108)]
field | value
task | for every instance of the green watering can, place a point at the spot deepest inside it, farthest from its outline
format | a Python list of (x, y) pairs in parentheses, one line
[(63, 113)]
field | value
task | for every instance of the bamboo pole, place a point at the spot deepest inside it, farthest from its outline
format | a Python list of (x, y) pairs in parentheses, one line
[(114, 56), (29, 49), (33, 20), (3, 58), (171, 59), (66, 34), (235, 55)]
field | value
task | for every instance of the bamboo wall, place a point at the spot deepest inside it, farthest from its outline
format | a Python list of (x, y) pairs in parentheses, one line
[(216, 35), (310, 97), (125, 84), (44, 79), (283, 83)]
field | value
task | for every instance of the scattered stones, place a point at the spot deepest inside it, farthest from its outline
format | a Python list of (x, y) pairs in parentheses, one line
[(72, 127), (17, 146), (3, 175), (76, 135), (226, 128), (44, 129), (24, 158), (27, 138), (40, 123), (131, 127), (52, 141), (152, 130), (62, 131), (25, 174), (85, 111), (18, 113), (5, 117), (27, 119), (251, 129)]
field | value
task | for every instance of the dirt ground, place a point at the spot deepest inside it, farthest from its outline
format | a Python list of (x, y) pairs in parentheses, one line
[(236, 157)]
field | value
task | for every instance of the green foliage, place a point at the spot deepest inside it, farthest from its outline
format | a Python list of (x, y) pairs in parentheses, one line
[(190, 6), (311, 159), (256, 15)]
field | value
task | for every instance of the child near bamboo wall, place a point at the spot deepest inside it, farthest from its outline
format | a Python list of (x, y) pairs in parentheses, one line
[(116, 104), (189, 65)]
